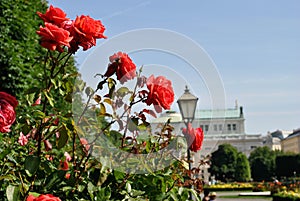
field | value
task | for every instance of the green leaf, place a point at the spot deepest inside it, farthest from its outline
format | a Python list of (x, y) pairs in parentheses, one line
[(39, 114), (122, 91), (91, 188), (104, 194), (55, 178), (32, 90), (143, 126), (49, 99), (32, 164), (128, 187), (63, 137), (4, 153), (13, 193), (132, 124), (119, 175), (89, 91)]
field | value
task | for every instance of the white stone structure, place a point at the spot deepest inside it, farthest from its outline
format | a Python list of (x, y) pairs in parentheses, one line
[(220, 126)]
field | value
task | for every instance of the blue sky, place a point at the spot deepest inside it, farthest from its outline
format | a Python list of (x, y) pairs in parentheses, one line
[(255, 46)]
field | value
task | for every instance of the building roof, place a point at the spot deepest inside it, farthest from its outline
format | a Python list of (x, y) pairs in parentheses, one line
[(218, 113), (201, 114), (294, 134)]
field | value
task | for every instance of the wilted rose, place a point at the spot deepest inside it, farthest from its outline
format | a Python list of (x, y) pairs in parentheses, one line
[(68, 157), (85, 144), (63, 165), (161, 93), (8, 103), (122, 65), (23, 139), (48, 145)]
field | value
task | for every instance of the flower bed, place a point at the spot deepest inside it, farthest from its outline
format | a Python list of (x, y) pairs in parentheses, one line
[(230, 187), (286, 196)]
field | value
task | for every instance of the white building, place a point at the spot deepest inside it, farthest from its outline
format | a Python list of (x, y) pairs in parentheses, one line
[(220, 126)]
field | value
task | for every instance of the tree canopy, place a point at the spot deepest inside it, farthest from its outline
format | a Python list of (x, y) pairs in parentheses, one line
[(227, 164), (262, 163)]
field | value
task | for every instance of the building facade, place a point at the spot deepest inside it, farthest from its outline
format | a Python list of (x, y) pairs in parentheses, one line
[(220, 126), (292, 142)]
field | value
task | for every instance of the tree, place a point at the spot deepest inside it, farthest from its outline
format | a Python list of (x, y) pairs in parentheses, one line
[(19, 48), (262, 163), (223, 162), (18, 44), (243, 172), (21, 56), (227, 164), (287, 165)]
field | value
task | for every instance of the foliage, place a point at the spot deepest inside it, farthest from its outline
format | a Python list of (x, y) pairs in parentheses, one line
[(287, 165), (243, 172), (21, 57), (262, 163), (224, 164), (18, 44), (79, 143)]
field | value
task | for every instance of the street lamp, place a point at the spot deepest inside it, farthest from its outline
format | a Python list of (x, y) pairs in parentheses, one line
[(187, 104)]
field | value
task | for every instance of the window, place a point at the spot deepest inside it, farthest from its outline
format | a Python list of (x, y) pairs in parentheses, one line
[(201, 126), (229, 127), (215, 127), (220, 127), (206, 127), (234, 127)]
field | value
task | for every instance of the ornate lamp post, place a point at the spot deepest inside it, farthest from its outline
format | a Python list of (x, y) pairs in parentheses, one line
[(187, 104)]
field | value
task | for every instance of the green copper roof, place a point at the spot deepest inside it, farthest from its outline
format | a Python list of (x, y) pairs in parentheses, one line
[(218, 113), (200, 114)]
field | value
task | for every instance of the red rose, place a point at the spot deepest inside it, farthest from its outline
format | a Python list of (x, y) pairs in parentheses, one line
[(122, 65), (161, 93), (194, 137), (85, 31), (47, 197), (53, 15), (30, 198), (8, 103), (54, 37)]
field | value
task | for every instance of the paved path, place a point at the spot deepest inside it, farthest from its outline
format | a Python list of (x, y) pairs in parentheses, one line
[(238, 199)]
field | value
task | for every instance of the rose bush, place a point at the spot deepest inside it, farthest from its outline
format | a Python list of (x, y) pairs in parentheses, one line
[(95, 150)]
